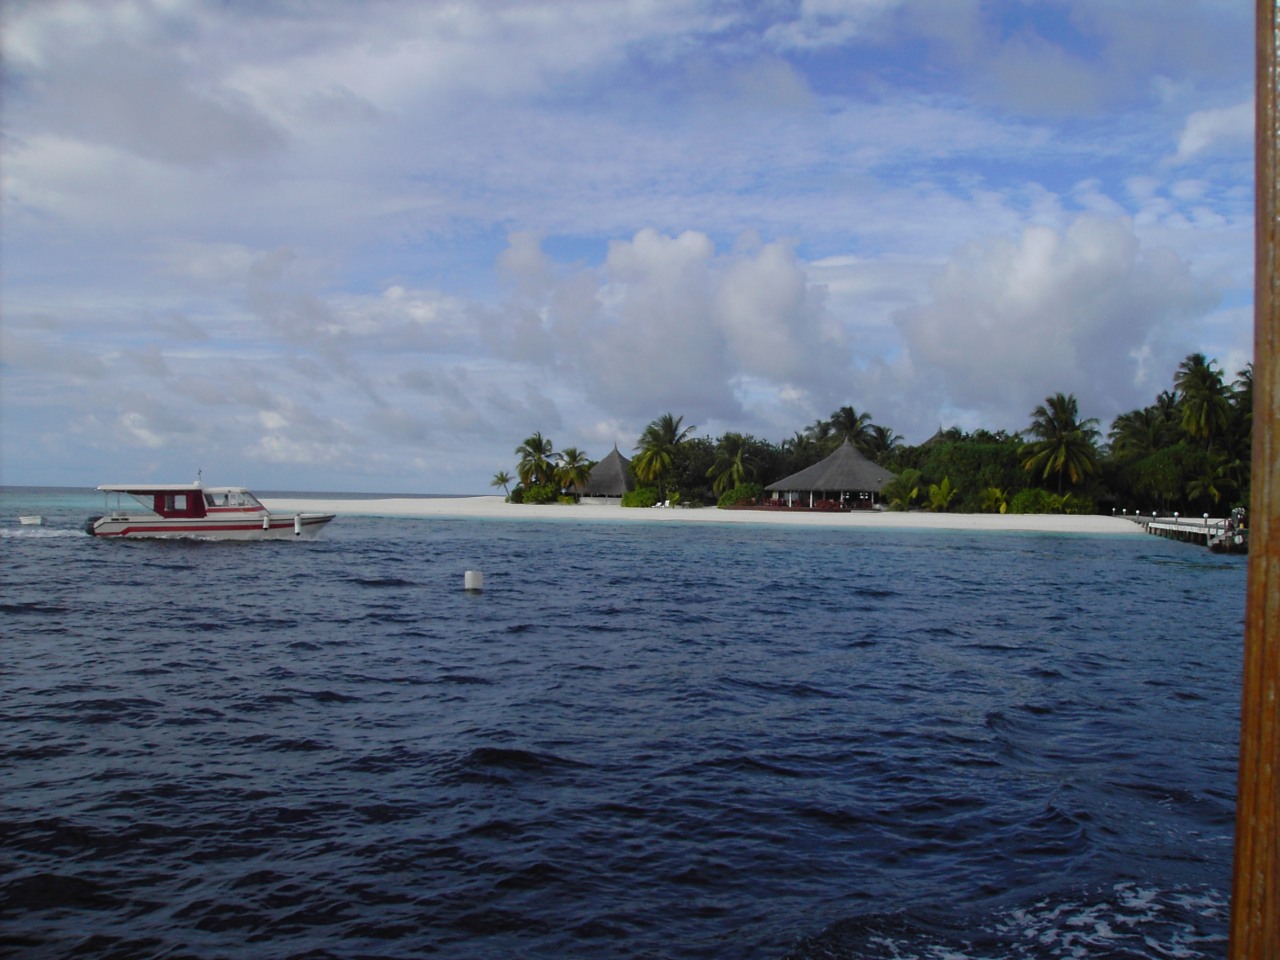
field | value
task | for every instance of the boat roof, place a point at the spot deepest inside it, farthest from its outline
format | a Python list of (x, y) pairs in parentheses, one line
[(167, 488)]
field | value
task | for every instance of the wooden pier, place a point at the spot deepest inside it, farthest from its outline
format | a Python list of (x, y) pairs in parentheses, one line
[(1221, 535)]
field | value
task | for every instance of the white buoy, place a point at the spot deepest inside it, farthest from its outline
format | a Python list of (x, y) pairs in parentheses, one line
[(297, 524), (473, 581)]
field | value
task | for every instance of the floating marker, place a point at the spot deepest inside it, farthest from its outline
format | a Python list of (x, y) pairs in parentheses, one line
[(297, 524), (473, 581)]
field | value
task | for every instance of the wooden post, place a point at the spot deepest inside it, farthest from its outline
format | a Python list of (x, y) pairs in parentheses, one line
[(1255, 902)]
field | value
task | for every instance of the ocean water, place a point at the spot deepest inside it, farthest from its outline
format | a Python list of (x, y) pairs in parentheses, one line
[(657, 741)]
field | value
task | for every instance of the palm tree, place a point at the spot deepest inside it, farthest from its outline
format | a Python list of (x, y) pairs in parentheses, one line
[(1242, 389), (1140, 433), (657, 450), (733, 466), (535, 465), (1242, 405), (820, 433), (1205, 400), (574, 469), (1064, 445), (1214, 479), (848, 424), (801, 450), (881, 440), (501, 479)]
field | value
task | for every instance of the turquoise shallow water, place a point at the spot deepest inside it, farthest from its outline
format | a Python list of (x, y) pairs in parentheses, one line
[(638, 741)]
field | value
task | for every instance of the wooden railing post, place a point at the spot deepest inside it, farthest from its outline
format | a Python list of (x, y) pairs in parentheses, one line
[(1255, 902)]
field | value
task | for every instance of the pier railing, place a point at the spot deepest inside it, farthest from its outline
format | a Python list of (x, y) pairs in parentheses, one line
[(1203, 530)]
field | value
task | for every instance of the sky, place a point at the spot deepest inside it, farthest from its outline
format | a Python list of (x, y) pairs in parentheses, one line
[(372, 246)]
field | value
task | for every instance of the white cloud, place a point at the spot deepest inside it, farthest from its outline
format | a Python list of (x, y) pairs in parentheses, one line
[(667, 320), (136, 428), (1012, 321), (1207, 130), (394, 233)]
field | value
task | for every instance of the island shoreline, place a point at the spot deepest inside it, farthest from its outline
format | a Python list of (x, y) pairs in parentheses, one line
[(496, 508)]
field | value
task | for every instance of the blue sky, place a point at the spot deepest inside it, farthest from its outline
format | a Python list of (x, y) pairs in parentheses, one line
[(372, 246)]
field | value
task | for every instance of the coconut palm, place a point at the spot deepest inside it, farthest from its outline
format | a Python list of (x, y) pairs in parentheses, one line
[(1214, 480), (821, 434), (656, 451), (535, 466), (848, 424), (801, 450), (733, 466), (1065, 445), (881, 440), (1140, 433), (1204, 398), (574, 469), (501, 479), (1242, 404)]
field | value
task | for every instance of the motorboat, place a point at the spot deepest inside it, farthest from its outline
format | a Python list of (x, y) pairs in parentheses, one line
[(193, 510), (31, 520)]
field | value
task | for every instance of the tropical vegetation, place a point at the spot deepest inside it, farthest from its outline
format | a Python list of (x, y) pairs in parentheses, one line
[(1188, 450)]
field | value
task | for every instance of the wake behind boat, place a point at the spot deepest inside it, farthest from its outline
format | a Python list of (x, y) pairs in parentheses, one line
[(191, 510)]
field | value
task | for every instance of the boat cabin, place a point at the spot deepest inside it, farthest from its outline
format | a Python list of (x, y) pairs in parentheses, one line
[(188, 501)]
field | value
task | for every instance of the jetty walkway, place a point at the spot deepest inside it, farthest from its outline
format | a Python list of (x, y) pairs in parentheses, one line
[(1222, 534)]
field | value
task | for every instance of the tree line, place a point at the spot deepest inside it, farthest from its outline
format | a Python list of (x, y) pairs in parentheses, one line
[(1188, 451)]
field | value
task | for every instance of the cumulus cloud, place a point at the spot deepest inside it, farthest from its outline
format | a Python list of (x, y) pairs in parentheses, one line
[(728, 211), (668, 321), (1078, 311)]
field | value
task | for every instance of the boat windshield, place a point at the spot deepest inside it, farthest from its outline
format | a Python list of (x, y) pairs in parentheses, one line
[(242, 499)]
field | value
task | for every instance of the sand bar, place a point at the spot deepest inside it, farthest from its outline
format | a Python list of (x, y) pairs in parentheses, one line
[(496, 508)]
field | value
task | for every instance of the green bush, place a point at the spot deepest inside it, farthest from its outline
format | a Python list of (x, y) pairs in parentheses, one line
[(640, 497), (742, 493), (541, 493), (1037, 500), (1071, 503), (1032, 500)]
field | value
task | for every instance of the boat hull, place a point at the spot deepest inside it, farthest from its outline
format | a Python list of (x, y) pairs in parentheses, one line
[(264, 527)]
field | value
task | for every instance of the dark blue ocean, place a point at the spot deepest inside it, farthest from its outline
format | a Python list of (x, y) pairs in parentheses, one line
[(641, 740)]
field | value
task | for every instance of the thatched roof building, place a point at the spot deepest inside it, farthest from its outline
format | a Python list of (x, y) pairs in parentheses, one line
[(611, 477), (847, 471)]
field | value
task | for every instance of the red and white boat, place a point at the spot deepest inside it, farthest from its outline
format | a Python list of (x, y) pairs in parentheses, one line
[(192, 510)]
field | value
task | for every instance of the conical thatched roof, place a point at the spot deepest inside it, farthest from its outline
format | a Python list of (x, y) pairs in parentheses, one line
[(846, 470), (610, 477)]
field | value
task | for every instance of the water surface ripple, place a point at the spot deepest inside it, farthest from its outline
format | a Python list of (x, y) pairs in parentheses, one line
[(638, 741)]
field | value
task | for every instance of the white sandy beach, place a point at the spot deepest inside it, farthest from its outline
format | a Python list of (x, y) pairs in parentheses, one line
[(496, 508)]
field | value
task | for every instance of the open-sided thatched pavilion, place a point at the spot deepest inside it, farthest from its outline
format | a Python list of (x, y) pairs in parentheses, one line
[(609, 480), (846, 476)]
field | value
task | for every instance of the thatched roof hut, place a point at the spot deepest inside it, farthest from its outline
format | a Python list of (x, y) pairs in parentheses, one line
[(611, 477), (847, 471)]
